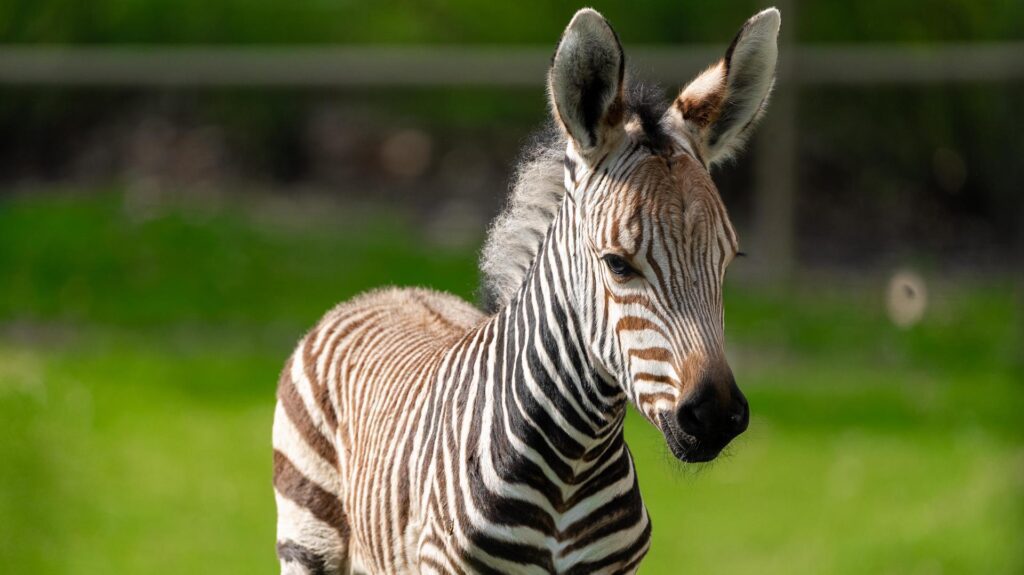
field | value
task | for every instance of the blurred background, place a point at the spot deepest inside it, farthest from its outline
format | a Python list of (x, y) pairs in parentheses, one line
[(186, 186)]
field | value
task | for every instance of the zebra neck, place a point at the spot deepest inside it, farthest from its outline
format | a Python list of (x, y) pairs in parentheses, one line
[(547, 368)]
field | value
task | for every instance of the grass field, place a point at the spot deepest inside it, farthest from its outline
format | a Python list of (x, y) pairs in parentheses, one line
[(140, 344)]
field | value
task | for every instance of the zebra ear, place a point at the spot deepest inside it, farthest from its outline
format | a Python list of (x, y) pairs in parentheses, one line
[(585, 83), (721, 106)]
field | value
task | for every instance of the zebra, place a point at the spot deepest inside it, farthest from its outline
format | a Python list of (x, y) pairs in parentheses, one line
[(417, 433)]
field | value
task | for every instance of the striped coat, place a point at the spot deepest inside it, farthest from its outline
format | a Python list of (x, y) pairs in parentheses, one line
[(447, 438), (415, 433)]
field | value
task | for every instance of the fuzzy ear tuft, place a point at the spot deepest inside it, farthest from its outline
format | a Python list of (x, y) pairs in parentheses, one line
[(722, 105), (585, 82)]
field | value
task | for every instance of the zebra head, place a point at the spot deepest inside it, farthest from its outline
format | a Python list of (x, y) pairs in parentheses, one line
[(652, 237)]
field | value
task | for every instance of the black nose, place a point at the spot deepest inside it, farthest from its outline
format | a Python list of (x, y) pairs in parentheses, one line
[(711, 414)]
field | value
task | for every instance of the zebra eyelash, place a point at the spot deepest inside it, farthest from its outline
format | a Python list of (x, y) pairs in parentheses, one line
[(619, 266), (741, 254)]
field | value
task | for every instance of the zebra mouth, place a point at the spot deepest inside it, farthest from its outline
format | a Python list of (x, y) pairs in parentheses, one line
[(685, 447)]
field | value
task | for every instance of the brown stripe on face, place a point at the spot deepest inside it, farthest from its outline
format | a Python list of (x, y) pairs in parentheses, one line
[(648, 399), (652, 354), (656, 378), (613, 239), (296, 487), (696, 184), (634, 323), (638, 299), (655, 267)]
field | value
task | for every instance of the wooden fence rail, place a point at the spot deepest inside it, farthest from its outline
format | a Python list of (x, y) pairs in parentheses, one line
[(465, 66)]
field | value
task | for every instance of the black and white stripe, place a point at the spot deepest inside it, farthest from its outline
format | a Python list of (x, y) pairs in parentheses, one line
[(416, 434)]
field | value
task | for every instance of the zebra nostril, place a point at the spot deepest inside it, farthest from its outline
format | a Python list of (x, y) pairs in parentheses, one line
[(740, 417)]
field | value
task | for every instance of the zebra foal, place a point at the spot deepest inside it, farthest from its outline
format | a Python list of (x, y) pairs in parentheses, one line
[(415, 433)]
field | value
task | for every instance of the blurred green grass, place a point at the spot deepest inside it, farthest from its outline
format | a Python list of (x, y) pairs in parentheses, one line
[(140, 340)]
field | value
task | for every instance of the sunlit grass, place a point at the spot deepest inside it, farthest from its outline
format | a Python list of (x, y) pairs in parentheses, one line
[(931, 483)]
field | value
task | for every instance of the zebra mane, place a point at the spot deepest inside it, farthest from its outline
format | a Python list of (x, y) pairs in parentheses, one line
[(537, 189), (516, 233)]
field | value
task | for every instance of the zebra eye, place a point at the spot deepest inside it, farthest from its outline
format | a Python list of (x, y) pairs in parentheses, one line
[(618, 265)]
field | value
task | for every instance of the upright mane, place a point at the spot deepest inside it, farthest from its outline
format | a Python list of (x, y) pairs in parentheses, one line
[(516, 233), (537, 189)]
